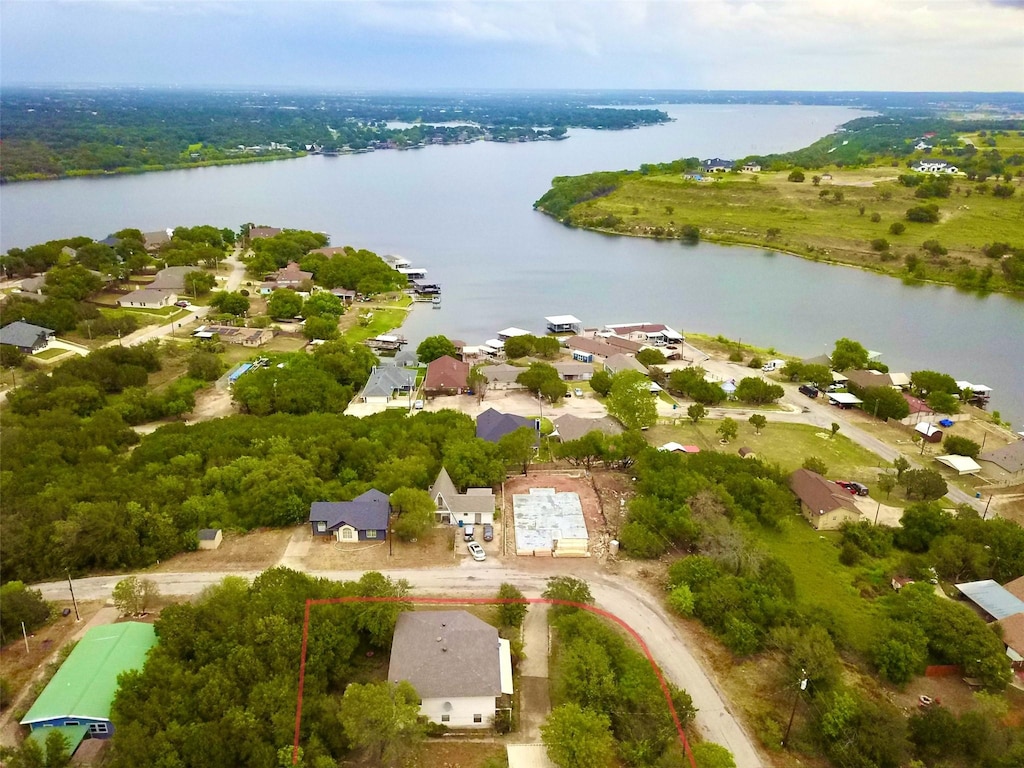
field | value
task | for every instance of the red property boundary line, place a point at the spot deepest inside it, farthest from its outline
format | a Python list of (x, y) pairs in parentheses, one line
[(484, 601)]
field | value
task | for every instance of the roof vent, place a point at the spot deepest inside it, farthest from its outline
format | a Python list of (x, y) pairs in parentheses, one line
[(444, 649), (439, 639)]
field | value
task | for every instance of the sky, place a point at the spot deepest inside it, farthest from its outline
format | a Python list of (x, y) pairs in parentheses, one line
[(831, 45)]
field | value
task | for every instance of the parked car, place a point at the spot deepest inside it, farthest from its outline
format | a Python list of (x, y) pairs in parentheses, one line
[(181, 304), (578, 392), (807, 389), (476, 551), (467, 533), (488, 532), (859, 488), (846, 485), (418, 405)]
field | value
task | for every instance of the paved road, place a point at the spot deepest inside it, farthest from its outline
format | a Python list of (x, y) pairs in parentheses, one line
[(627, 600)]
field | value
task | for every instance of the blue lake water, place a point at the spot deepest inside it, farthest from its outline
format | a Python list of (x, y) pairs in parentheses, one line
[(465, 213)]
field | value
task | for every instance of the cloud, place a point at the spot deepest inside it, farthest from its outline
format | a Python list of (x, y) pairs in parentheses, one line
[(740, 44)]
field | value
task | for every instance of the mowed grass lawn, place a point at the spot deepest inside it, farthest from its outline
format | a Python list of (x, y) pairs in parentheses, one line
[(743, 207), (383, 320), (786, 445)]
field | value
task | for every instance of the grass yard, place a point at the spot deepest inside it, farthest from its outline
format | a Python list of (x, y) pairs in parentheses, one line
[(382, 321), (814, 223), (822, 582), (784, 444), (49, 354)]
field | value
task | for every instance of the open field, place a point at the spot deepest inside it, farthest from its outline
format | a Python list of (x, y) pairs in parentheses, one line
[(382, 320), (784, 444), (819, 222), (251, 551)]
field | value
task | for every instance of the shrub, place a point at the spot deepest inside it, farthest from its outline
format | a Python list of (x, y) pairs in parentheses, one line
[(1003, 190), (689, 233), (926, 214), (796, 175), (961, 446), (897, 228), (934, 247), (814, 464), (876, 217), (880, 244)]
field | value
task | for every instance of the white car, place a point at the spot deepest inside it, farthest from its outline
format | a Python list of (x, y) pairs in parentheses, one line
[(476, 551)]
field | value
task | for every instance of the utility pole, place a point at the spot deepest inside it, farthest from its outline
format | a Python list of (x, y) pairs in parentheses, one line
[(876, 511), (25, 635), (74, 602), (796, 698), (985, 515)]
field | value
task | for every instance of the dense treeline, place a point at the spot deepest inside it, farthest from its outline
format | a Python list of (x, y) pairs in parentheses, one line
[(598, 671), (80, 489), (60, 133), (220, 688), (865, 140), (567, 191)]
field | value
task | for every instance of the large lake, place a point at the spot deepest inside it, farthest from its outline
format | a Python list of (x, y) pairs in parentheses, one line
[(464, 213)]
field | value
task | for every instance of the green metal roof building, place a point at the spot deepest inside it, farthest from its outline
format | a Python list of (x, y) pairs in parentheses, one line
[(79, 696)]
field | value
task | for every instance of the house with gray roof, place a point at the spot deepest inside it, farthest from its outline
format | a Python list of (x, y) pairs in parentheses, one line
[(171, 279), (618, 363), (147, 298), (492, 425), (385, 381), (457, 663), (365, 518), (574, 370), (990, 599), (1009, 459), (569, 427), (26, 337), (502, 376), (474, 507)]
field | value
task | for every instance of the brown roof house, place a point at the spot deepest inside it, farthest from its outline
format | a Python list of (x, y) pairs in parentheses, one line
[(446, 376), (457, 663), (1013, 638), (825, 505), (255, 233), (474, 507)]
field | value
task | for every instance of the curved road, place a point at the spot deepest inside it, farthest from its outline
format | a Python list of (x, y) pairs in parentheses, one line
[(627, 601)]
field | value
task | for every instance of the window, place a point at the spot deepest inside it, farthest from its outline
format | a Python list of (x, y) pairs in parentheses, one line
[(70, 722), (478, 718), (99, 728), (371, 533), (446, 718), (321, 526), (346, 533)]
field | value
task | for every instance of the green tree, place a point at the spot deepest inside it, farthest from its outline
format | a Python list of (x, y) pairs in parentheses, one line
[(630, 400), (961, 446), (921, 523), (650, 356), (834, 429), (204, 366), (886, 483), (681, 600), (518, 447), (758, 422), (323, 304), (728, 429), (569, 589), (818, 375), (885, 403), (815, 464), (757, 391), (474, 463), (601, 382), (324, 327), (796, 175), (416, 513), (924, 484), (21, 604), (941, 402), (849, 354), (382, 719), (11, 357), (477, 383), (711, 755), (578, 738), (901, 465), (133, 596), (511, 614), (520, 346), (284, 304), (433, 347), (901, 653), (230, 303), (696, 412), (199, 283), (543, 380)]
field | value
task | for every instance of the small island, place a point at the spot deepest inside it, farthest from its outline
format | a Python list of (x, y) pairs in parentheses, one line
[(924, 200)]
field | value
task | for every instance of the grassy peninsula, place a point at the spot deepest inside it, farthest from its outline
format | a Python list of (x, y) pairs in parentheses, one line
[(865, 208)]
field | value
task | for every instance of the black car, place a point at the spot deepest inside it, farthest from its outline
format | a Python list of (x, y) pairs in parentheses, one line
[(808, 390), (488, 532)]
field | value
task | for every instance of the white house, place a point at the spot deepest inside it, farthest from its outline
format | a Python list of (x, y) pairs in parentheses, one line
[(934, 166), (474, 507), (147, 298), (752, 167), (457, 664)]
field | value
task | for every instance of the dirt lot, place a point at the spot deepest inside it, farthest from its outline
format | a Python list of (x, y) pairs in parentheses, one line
[(436, 549), (1010, 504), (593, 513), (241, 552)]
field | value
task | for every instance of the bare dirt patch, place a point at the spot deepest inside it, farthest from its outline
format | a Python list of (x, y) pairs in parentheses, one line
[(212, 403), (251, 551), (435, 550), (563, 482), (614, 490), (1010, 505)]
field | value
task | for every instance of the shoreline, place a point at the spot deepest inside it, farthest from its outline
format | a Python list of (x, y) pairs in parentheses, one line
[(906, 280)]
